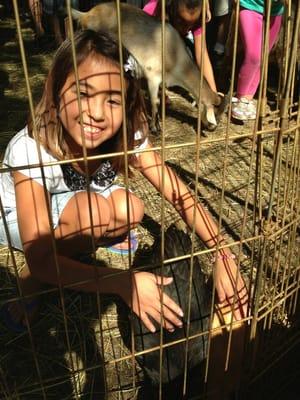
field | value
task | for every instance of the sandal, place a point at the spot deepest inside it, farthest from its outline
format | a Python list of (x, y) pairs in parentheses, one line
[(113, 245), (17, 326)]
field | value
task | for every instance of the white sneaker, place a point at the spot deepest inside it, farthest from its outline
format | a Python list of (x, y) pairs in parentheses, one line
[(244, 109)]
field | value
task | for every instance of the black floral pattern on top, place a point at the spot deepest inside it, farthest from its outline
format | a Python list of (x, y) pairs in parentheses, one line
[(103, 177)]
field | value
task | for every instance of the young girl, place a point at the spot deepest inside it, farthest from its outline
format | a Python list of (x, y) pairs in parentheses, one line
[(185, 17), (66, 128), (251, 22)]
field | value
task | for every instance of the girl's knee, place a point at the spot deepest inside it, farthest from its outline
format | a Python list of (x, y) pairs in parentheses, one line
[(122, 208), (87, 213), (253, 57), (137, 208)]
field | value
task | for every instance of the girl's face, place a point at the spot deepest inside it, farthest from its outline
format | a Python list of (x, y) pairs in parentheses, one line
[(101, 104), (187, 18)]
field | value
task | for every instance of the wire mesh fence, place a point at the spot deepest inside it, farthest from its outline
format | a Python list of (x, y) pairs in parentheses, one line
[(78, 343)]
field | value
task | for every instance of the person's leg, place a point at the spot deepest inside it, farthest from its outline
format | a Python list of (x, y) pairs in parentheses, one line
[(74, 233), (119, 223), (222, 32), (36, 12), (109, 220), (53, 12), (275, 25), (251, 29), (222, 13), (56, 29), (75, 226), (70, 215), (120, 227), (82, 219)]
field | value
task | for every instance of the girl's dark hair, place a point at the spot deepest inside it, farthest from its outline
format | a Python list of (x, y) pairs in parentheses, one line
[(49, 128), (172, 7)]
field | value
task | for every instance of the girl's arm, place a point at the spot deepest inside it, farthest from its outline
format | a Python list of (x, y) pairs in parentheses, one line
[(176, 192), (141, 290), (207, 67)]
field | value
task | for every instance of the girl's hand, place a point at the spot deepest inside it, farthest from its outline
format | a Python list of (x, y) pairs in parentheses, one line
[(227, 279), (145, 301)]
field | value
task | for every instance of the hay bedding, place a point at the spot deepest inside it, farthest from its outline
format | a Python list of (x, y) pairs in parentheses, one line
[(63, 366)]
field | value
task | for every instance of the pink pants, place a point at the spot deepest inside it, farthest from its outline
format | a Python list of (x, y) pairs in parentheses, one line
[(251, 31)]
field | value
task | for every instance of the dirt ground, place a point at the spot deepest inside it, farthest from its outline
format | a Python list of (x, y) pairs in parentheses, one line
[(68, 365)]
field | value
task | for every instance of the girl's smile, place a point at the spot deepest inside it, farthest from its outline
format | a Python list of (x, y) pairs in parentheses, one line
[(100, 104), (91, 133)]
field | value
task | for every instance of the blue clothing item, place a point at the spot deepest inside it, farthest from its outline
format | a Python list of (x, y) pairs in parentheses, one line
[(277, 7), (58, 203)]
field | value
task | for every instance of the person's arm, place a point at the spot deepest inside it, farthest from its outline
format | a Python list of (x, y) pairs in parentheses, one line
[(141, 290), (176, 192), (208, 12), (207, 67)]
